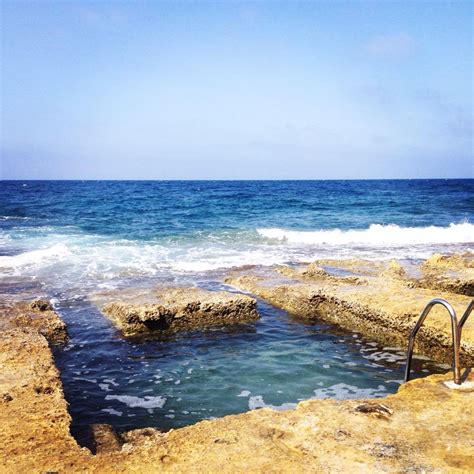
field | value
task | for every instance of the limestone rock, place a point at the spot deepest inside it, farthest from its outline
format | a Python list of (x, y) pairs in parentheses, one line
[(136, 439), (106, 439), (385, 309), (181, 309), (425, 427), (394, 270), (40, 315), (453, 273), (314, 270)]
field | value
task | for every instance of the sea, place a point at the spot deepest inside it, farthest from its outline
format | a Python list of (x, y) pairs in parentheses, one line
[(66, 240)]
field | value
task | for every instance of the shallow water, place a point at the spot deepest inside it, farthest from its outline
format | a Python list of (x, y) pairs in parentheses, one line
[(66, 240), (186, 377)]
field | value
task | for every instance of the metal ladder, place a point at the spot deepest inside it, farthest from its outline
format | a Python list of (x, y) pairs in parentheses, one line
[(456, 330)]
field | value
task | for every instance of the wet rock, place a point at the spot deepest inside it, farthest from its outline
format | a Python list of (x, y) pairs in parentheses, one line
[(106, 439), (41, 305), (378, 409), (453, 273), (41, 316), (139, 438), (181, 309), (385, 309)]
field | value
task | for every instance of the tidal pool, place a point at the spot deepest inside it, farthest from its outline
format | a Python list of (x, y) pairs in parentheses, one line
[(186, 377)]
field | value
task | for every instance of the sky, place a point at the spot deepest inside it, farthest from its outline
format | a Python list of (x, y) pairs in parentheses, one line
[(236, 90)]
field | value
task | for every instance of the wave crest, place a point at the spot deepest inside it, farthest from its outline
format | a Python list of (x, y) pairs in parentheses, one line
[(377, 235), (34, 257)]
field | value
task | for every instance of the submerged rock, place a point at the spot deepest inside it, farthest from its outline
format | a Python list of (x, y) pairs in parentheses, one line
[(106, 440), (180, 309)]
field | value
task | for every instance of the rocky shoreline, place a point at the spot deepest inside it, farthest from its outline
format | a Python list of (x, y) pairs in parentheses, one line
[(378, 299), (426, 426)]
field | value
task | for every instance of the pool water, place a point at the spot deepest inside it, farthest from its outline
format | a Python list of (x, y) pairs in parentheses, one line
[(186, 377)]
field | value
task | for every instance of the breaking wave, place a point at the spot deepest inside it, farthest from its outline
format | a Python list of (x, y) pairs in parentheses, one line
[(377, 235), (82, 260), (34, 257)]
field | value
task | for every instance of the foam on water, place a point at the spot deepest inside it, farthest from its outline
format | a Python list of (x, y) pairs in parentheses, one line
[(343, 391), (137, 402), (80, 259), (256, 402), (35, 258), (377, 235)]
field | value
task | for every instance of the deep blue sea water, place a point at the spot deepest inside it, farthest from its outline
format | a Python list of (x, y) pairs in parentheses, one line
[(68, 239)]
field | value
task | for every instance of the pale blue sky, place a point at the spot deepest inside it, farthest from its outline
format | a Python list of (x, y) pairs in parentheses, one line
[(231, 90)]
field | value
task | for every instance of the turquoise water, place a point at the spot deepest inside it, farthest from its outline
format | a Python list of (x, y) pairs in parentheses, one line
[(66, 240)]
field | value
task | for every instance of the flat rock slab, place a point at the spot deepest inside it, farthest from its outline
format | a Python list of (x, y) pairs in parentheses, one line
[(452, 273), (175, 309), (39, 315)]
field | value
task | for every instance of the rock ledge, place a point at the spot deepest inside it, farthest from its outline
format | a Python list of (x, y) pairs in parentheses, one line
[(180, 309)]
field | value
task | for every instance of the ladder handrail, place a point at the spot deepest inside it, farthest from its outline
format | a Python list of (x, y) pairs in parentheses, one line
[(455, 330), (465, 316)]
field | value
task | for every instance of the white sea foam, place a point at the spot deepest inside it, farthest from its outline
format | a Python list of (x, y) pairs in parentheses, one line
[(111, 411), (343, 391), (377, 235), (34, 257), (244, 393), (137, 402), (385, 356), (89, 261), (15, 218), (257, 402)]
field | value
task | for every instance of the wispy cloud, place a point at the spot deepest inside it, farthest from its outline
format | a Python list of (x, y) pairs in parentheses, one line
[(393, 46), (101, 17)]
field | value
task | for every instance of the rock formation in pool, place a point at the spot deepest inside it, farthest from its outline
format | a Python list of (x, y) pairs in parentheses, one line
[(174, 309), (379, 299)]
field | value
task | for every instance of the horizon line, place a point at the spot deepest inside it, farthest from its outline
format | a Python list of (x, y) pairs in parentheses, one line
[(233, 180)]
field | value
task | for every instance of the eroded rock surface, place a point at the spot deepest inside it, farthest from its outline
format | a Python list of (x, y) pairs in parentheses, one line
[(425, 427), (106, 440), (180, 309), (37, 314), (34, 421), (452, 273), (449, 273)]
